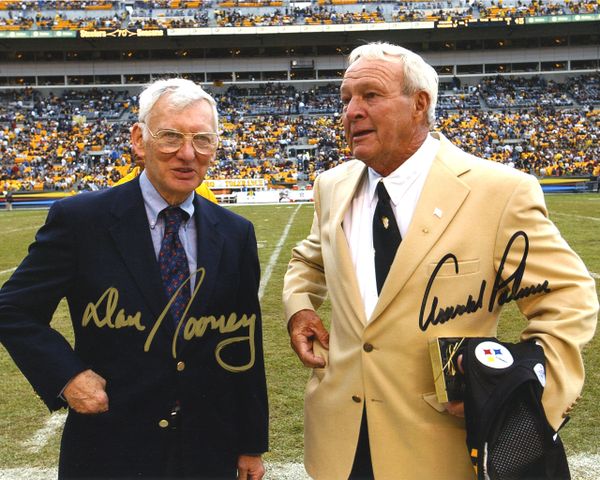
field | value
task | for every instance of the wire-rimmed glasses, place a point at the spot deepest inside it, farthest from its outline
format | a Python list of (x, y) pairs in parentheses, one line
[(169, 140)]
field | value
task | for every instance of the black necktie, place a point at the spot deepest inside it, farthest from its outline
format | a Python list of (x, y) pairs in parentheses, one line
[(386, 235), (172, 260)]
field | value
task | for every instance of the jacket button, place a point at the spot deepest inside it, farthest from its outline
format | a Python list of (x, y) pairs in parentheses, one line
[(180, 366), (356, 398), (367, 347), (163, 423)]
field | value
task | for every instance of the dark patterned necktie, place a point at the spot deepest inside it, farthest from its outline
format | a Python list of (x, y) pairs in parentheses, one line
[(386, 236), (172, 260)]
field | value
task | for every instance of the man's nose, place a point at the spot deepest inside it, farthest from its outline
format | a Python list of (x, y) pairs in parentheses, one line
[(186, 151), (355, 109)]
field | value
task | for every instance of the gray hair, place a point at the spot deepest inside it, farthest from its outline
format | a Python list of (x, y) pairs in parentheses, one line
[(418, 75), (181, 93)]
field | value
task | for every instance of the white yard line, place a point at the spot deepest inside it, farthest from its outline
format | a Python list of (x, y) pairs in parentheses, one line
[(13, 230), (285, 471), (275, 255), (595, 275), (39, 439), (585, 466), (593, 219), (275, 471), (30, 473)]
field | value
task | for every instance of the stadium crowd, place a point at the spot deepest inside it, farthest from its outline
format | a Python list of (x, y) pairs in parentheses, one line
[(148, 15), (79, 140)]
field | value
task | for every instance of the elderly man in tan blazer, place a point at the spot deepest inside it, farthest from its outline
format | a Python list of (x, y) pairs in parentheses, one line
[(475, 236)]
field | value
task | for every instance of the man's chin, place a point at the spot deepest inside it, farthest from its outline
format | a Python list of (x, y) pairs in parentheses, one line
[(183, 187), (362, 154)]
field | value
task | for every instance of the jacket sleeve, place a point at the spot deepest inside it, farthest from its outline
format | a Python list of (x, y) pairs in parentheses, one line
[(28, 301), (562, 308), (304, 284), (252, 405)]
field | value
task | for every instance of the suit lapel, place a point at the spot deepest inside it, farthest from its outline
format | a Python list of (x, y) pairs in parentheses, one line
[(440, 200), (209, 250), (131, 233), (342, 194)]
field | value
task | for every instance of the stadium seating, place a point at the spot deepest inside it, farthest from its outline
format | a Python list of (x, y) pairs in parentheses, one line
[(148, 15), (79, 139)]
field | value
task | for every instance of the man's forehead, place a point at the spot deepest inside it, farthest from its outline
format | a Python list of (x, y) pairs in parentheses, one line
[(198, 109), (377, 70), (166, 103)]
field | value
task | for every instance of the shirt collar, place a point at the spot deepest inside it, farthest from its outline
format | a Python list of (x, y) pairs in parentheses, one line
[(402, 178), (155, 203)]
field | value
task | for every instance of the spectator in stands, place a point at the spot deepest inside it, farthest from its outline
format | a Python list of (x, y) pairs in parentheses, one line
[(8, 200), (449, 228), (78, 140), (167, 376)]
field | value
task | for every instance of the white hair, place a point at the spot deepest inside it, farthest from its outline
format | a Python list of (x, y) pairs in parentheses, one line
[(181, 93), (418, 75)]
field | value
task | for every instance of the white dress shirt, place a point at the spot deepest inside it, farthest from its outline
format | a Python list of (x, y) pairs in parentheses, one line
[(404, 186)]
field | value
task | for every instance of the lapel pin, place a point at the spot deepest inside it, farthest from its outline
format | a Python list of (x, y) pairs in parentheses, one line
[(438, 213), (386, 222)]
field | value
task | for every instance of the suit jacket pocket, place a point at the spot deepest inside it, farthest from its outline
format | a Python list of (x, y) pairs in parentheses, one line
[(451, 269), (322, 352), (431, 400)]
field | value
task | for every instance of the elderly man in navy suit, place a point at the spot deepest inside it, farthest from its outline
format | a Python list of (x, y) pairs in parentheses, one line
[(166, 378)]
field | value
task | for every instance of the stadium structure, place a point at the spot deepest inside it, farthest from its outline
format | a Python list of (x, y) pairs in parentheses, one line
[(242, 49)]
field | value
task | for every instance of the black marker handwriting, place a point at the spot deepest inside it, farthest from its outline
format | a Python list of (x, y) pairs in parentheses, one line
[(503, 290)]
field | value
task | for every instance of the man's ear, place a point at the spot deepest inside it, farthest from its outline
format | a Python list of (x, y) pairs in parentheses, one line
[(422, 103), (137, 141)]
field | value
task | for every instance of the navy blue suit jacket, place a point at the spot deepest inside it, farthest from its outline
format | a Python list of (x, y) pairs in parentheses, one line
[(96, 250)]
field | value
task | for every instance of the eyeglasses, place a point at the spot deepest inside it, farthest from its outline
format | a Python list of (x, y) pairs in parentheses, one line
[(169, 141)]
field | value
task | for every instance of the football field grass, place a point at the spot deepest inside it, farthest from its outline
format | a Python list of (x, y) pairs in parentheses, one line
[(29, 436)]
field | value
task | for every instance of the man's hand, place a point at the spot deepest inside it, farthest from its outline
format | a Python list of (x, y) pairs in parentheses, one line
[(250, 467), (457, 408), (86, 393), (305, 327)]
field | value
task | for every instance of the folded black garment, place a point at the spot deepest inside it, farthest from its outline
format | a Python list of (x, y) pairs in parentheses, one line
[(508, 435)]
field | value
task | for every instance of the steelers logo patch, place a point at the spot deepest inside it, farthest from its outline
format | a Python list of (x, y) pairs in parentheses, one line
[(494, 355)]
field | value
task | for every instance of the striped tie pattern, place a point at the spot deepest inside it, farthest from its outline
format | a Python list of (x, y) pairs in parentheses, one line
[(172, 260)]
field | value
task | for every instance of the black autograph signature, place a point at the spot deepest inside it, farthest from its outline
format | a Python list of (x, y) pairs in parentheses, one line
[(504, 290)]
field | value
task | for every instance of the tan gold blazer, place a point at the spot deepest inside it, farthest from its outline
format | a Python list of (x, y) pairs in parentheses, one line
[(471, 213)]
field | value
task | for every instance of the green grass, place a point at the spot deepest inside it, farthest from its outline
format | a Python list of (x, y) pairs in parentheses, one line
[(22, 413)]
